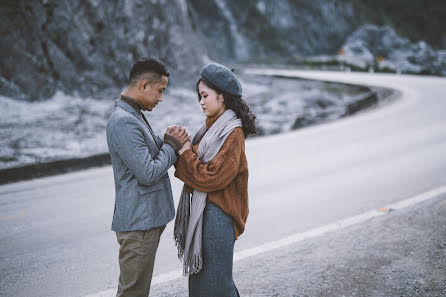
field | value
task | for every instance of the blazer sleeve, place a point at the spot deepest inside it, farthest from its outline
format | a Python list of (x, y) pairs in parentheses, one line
[(127, 138), (217, 174)]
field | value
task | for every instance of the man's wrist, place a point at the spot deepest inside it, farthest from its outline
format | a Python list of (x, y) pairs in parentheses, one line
[(169, 139)]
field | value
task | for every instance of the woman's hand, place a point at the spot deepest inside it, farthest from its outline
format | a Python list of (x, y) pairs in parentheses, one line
[(187, 146)]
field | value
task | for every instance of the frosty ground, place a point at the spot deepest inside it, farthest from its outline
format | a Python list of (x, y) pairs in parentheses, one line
[(65, 127)]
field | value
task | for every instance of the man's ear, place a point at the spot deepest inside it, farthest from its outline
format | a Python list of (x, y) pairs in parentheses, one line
[(143, 84)]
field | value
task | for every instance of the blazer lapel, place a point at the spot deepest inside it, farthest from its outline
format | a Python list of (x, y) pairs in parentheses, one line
[(158, 141)]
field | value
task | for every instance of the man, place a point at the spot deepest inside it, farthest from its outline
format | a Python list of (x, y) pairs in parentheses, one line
[(140, 159)]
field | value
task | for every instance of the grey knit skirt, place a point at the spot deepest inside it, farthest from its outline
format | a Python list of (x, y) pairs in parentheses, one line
[(215, 278)]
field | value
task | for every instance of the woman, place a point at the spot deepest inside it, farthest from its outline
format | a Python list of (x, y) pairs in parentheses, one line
[(214, 170)]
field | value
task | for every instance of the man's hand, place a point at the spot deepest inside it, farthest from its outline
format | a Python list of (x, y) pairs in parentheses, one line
[(171, 128), (176, 136), (179, 133)]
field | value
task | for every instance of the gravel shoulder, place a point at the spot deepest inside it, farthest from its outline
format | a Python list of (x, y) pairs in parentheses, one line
[(402, 253)]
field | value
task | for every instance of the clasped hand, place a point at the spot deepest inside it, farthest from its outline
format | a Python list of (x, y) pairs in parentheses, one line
[(181, 135)]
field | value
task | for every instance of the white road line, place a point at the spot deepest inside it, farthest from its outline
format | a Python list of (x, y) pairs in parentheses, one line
[(298, 237)]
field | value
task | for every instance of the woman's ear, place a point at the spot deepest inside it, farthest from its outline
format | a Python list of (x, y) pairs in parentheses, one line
[(223, 101)]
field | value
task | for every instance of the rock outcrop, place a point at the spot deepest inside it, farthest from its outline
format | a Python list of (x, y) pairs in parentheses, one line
[(381, 48), (87, 47)]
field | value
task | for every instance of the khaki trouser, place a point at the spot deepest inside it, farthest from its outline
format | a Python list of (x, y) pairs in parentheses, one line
[(136, 259)]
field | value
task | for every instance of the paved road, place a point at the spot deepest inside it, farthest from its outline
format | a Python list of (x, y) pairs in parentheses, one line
[(400, 253), (55, 237)]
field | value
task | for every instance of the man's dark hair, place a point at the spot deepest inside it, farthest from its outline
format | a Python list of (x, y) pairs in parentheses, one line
[(151, 69)]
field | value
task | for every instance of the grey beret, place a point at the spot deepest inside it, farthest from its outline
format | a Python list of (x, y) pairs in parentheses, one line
[(221, 77)]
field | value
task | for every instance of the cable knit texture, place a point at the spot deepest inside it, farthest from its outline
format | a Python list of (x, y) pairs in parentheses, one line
[(225, 178)]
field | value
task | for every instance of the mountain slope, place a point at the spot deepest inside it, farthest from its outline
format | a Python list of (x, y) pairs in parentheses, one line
[(86, 47)]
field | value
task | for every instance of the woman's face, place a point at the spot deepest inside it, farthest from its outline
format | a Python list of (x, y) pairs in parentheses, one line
[(211, 102)]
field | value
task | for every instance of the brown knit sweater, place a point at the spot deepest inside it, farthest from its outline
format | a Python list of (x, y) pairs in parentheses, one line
[(225, 178)]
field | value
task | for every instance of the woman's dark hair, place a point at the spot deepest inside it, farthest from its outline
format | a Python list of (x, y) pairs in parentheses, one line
[(238, 105)]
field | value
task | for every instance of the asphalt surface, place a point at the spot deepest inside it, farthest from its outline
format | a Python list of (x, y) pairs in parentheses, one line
[(402, 253)]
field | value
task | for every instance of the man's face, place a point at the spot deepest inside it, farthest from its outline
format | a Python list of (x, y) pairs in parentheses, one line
[(152, 93)]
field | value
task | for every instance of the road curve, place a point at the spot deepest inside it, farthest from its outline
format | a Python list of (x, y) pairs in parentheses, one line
[(55, 237)]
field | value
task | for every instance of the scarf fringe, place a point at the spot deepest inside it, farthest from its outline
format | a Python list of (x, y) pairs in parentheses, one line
[(192, 266), (182, 223), (180, 242)]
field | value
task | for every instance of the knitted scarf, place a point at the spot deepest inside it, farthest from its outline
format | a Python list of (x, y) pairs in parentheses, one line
[(189, 219)]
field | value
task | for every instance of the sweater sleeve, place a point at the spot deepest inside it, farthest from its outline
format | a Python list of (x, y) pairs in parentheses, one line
[(216, 175)]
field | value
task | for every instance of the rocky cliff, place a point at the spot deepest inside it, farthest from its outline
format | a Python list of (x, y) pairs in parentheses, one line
[(86, 47)]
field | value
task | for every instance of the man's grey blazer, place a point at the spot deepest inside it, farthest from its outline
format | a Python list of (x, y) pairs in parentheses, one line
[(143, 193)]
